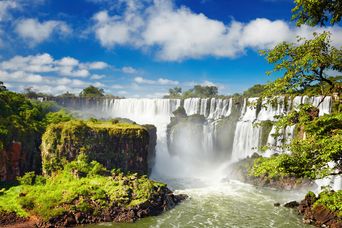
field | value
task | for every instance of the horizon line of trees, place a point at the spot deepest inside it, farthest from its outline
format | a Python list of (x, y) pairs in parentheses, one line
[(90, 91)]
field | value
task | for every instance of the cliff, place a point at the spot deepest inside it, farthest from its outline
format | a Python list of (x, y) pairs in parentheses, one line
[(128, 147)]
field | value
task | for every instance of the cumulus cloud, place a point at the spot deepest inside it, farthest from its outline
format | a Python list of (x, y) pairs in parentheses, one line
[(98, 65), (44, 63), (128, 70), (175, 34), (6, 7), (97, 76), (46, 74), (36, 32), (159, 81)]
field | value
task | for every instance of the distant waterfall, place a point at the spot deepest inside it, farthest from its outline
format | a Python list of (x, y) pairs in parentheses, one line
[(245, 132)]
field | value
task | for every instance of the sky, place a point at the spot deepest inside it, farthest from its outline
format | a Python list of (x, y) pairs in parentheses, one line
[(141, 48)]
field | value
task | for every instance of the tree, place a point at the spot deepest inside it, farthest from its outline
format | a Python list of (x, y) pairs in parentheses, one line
[(204, 91), (67, 95), (304, 64), (176, 91), (317, 12), (254, 91), (2, 86), (92, 91)]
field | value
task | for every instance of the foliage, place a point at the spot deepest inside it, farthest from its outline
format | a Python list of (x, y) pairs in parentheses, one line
[(196, 91), (100, 140), (255, 91), (27, 179), (20, 119), (81, 186), (317, 12), (92, 91), (67, 95), (30, 93), (310, 155), (2, 87), (304, 64), (175, 92), (331, 200), (58, 117)]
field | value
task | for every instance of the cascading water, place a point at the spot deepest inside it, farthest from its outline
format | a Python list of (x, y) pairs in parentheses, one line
[(188, 160), (195, 167)]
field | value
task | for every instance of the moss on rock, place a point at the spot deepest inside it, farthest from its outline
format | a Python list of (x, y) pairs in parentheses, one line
[(122, 145)]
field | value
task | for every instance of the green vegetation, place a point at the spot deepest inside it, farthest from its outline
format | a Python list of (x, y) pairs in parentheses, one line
[(331, 200), (67, 95), (81, 186), (111, 143), (305, 64), (255, 91), (317, 12), (310, 155), (92, 91), (21, 119), (2, 87), (196, 91)]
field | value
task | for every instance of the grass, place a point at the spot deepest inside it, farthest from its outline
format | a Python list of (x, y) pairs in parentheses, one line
[(81, 186)]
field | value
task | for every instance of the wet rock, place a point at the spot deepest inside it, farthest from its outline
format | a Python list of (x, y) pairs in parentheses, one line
[(318, 215), (291, 204), (9, 218), (69, 221), (276, 204)]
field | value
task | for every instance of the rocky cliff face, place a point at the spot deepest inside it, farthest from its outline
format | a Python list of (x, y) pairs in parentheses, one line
[(316, 210), (18, 158), (129, 147)]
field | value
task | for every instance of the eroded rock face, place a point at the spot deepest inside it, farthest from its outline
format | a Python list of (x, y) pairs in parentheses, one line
[(129, 147), (318, 215), (18, 158)]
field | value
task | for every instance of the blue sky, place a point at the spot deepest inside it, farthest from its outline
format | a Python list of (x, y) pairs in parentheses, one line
[(140, 48)]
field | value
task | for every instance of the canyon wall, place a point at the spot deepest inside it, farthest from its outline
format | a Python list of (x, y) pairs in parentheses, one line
[(129, 147)]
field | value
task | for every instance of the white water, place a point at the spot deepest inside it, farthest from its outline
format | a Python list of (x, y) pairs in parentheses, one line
[(193, 169), (197, 159)]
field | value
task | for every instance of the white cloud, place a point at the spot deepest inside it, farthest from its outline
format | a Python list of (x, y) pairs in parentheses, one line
[(175, 34), (159, 81), (128, 70), (97, 76), (141, 80), (5, 7), (98, 65), (164, 81), (45, 74), (44, 63), (36, 32)]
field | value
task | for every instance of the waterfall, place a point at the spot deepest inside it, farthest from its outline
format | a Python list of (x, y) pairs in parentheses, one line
[(197, 144), (246, 140)]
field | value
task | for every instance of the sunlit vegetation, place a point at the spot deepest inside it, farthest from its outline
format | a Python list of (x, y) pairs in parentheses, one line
[(81, 186), (310, 155)]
